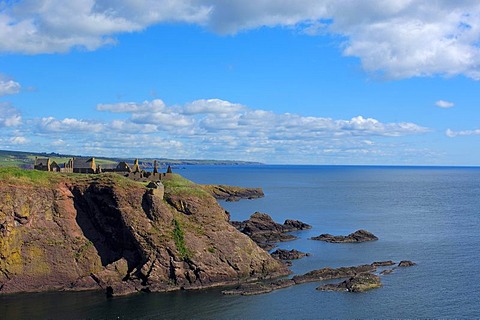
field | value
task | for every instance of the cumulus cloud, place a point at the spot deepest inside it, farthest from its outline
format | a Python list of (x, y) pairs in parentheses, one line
[(394, 39), (218, 121), (8, 86), (215, 119), (46, 26), (444, 104), (220, 129)]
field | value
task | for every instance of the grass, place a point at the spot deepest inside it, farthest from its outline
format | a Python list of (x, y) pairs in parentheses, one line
[(179, 238), (17, 175), (14, 175), (108, 178), (178, 185)]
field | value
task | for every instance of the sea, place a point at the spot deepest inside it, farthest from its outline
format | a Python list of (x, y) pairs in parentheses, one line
[(429, 215)]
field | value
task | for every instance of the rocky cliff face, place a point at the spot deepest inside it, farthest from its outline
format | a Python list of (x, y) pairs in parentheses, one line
[(105, 232)]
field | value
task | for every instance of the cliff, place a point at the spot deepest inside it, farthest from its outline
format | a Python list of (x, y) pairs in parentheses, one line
[(85, 232)]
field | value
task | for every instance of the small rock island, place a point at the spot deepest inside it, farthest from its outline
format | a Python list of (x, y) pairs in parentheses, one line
[(357, 236)]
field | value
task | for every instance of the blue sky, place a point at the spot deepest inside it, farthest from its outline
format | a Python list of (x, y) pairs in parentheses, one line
[(276, 81)]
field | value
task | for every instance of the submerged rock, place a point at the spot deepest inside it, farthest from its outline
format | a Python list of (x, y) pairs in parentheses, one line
[(357, 236)]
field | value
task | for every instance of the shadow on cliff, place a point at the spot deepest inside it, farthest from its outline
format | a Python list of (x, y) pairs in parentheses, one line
[(101, 221)]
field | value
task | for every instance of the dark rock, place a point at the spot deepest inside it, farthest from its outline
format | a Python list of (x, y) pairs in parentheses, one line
[(357, 236), (261, 223), (383, 263), (152, 185), (232, 193), (282, 254), (296, 225), (265, 232), (250, 289), (358, 283), (406, 263), (332, 273), (312, 276)]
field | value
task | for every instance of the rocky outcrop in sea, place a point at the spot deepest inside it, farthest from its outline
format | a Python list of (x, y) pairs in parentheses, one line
[(262, 229), (357, 236)]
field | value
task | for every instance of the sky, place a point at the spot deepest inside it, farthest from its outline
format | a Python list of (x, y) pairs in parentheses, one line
[(276, 81)]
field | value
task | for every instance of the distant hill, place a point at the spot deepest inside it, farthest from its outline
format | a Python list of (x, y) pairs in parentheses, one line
[(26, 159)]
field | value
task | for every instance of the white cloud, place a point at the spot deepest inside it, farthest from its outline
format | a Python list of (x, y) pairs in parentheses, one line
[(8, 86), (217, 121), (215, 106), (68, 125), (452, 134), (444, 104), (46, 26), (394, 39), (220, 129), (9, 116), (156, 105), (130, 127)]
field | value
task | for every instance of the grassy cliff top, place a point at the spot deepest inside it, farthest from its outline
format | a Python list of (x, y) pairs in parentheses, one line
[(18, 176), (175, 184), (14, 175)]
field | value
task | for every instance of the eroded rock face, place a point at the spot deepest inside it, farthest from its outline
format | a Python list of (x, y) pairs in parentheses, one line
[(106, 232), (265, 232), (357, 236)]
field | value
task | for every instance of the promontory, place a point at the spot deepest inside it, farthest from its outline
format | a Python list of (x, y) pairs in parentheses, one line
[(85, 232)]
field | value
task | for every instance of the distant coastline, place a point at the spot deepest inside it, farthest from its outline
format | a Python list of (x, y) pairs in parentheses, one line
[(25, 160)]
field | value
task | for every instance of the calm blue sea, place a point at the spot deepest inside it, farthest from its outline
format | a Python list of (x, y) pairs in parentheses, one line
[(425, 214)]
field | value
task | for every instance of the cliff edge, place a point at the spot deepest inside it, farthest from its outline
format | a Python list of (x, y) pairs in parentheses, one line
[(87, 232)]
